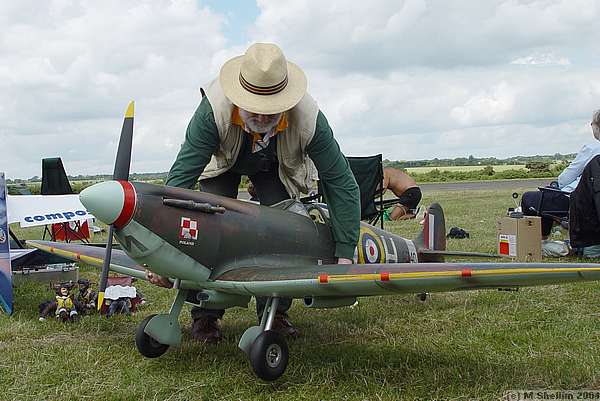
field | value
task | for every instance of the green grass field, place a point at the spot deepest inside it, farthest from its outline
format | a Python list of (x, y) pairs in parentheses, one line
[(459, 346), (423, 170)]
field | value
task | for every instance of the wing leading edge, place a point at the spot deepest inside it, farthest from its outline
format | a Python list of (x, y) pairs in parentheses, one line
[(352, 280), (120, 262), (382, 279)]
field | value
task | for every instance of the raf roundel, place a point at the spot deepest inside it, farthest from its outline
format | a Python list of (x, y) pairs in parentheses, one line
[(371, 248)]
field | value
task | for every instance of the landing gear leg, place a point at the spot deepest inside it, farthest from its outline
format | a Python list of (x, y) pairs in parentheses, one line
[(267, 349), (157, 332)]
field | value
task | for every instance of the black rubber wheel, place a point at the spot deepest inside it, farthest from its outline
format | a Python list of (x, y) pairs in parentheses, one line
[(422, 296), (147, 345), (269, 355)]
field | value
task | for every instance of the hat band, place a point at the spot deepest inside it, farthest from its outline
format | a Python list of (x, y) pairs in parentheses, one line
[(263, 90)]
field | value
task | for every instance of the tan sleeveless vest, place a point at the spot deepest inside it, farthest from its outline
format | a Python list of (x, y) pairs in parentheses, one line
[(296, 170)]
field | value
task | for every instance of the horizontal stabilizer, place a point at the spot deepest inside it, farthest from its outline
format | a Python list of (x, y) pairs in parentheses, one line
[(458, 253)]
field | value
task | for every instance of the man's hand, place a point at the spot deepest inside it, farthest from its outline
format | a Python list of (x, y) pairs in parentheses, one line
[(344, 261), (160, 281)]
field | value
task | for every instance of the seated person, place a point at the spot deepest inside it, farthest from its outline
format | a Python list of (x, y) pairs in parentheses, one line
[(567, 182), (407, 191), (252, 193)]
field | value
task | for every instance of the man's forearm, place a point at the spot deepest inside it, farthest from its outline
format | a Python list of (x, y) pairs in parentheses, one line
[(339, 187)]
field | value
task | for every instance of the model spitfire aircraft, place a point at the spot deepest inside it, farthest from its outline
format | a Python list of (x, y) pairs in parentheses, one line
[(220, 252)]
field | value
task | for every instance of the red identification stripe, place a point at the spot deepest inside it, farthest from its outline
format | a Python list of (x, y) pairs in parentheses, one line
[(385, 276), (323, 278), (128, 205), (466, 273)]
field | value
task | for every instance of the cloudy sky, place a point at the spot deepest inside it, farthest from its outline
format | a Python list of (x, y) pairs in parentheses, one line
[(411, 79)]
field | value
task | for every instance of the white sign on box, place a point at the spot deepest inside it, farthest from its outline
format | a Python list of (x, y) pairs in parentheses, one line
[(508, 244), (38, 210)]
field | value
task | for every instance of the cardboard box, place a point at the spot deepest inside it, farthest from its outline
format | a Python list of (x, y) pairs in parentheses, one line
[(520, 238)]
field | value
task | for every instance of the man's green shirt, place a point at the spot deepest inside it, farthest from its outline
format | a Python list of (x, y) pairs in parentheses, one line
[(338, 183)]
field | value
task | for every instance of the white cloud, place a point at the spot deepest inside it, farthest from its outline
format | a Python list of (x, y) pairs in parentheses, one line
[(68, 70), (542, 59), (382, 35), (406, 78)]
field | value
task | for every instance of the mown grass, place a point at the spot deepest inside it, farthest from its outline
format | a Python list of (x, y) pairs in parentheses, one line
[(467, 345), (500, 167)]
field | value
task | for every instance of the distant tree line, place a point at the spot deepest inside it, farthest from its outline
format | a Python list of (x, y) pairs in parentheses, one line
[(480, 161), (488, 173), (535, 167)]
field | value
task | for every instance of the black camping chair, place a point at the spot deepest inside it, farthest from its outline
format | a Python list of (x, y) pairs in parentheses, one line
[(368, 172), (56, 182), (584, 207), (560, 216), (54, 178)]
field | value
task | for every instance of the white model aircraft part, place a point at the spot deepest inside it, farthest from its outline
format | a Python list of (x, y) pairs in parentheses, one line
[(115, 292), (39, 210)]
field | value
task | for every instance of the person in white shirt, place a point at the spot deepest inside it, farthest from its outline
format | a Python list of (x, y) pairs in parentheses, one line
[(567, 182), (569, 178)]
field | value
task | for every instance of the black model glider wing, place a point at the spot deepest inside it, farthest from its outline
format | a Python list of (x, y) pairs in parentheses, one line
[(119, 262)]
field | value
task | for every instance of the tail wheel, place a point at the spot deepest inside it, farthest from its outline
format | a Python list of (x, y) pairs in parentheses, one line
[(269, 355), (147, 345)]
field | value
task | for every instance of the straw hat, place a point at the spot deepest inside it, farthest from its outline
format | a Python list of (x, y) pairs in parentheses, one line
[(262, 81)]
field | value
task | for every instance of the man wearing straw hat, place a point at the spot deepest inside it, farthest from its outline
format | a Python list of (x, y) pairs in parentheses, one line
[(257, 119)]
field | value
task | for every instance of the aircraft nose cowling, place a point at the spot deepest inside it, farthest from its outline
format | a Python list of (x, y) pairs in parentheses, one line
[(112, 202)]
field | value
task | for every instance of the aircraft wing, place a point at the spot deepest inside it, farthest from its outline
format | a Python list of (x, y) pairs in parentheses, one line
[(382, 279), (92, 255)]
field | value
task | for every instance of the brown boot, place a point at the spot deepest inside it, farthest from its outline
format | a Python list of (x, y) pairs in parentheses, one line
[(282, 324), (206, 329)]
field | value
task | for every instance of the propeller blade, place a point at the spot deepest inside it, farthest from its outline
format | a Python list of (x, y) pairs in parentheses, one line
[(105, 267), (121, 172), (123, 160)]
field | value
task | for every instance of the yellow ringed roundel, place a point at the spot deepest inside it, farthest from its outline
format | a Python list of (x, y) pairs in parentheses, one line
[(370, 247)]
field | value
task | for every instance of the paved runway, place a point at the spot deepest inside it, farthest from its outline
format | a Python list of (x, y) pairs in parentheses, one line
[(529, 184)]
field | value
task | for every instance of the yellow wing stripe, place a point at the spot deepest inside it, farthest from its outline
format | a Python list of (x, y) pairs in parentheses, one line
[(323, 279), (71, 255)]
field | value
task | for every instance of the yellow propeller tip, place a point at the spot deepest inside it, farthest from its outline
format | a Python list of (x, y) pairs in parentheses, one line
[(100, 299), (130, 108)]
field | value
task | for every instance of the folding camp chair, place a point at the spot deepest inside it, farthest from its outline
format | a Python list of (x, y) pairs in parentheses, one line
[(56, 182), (559, 216), (368, 172)]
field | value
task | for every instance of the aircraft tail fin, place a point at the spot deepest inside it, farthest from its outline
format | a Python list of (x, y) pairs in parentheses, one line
[(433, 235)]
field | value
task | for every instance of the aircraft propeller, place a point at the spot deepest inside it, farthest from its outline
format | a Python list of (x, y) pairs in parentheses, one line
[(121, 172)]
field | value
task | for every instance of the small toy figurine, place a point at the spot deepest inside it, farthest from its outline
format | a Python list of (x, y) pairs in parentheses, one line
[(118, 299), (63, 306), (120, 305), (87, 297)]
